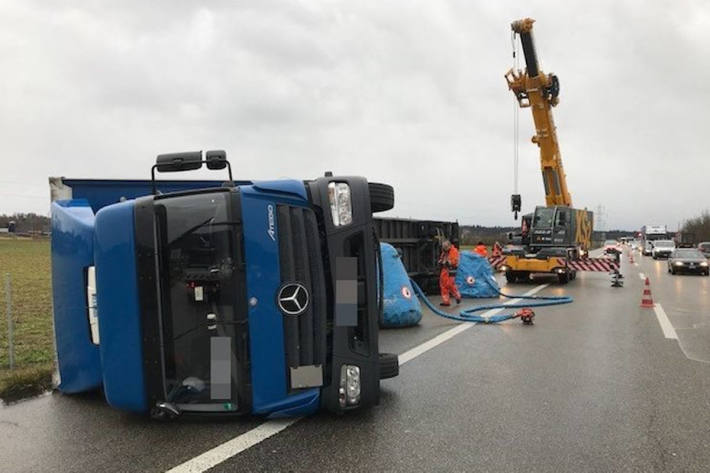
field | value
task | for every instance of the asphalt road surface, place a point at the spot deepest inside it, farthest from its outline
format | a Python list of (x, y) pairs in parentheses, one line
[(598, 385)]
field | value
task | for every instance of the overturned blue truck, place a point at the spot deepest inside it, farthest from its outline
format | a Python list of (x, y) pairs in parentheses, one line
[(219, 297)]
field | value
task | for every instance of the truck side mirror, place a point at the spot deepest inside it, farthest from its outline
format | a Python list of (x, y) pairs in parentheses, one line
[(216, 159), (176, 162), (190, 161)]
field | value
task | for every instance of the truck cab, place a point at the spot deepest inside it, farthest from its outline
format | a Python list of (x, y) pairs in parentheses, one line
[(235, 298), (562, 229), (554, 231)]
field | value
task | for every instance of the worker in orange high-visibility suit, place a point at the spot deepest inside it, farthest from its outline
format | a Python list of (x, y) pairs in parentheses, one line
[(481, 249), (448, 262)]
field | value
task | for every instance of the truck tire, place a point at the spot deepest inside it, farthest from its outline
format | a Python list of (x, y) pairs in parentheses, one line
[(563, 278), (389, 365), (381, 197), (510, 276)]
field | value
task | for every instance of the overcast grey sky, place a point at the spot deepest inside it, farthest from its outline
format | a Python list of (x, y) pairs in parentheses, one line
[(405, 92)]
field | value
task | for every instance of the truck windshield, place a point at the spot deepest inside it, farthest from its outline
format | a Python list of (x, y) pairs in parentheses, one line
[(664, 244), (655, 236), (543, 217), (197, 252)]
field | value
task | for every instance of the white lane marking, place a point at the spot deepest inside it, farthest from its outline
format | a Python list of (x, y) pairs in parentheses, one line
[(429, 344), (238, 444), (230, 448), (442, 337), (642, 276), (636, 264), (666, 326)]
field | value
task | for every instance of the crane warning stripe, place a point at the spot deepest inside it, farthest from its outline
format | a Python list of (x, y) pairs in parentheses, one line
[(587, 264)]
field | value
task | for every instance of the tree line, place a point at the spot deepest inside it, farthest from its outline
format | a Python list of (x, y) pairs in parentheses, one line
[(26, 222), (698, 227)]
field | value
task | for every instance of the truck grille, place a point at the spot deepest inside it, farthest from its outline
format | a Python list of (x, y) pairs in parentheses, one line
[(301, 261)]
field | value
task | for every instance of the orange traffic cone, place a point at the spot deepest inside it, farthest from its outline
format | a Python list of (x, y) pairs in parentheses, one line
[(646, 298)]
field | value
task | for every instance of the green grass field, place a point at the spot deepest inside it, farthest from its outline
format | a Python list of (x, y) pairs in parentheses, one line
[(27, 262)]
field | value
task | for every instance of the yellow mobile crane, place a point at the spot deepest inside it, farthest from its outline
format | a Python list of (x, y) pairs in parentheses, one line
[(556, 233)]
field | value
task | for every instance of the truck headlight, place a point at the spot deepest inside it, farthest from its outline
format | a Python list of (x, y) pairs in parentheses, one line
[(678, 263), (349, 392), (704, 263), (341, 207)]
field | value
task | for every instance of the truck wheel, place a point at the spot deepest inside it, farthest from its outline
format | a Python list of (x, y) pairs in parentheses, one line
[(381, 197), (563, 278), (389, 365), (510, 276)]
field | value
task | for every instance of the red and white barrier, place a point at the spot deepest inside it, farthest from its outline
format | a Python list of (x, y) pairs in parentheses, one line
[(496, 261), (585, 264), (594, 264)]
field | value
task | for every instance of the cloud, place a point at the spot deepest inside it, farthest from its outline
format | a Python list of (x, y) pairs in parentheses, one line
[(409, 93)]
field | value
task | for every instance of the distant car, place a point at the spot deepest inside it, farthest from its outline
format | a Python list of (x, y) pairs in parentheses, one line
[(612, 247), (662, 248), (647, 248), (688, 260), (704, 247)]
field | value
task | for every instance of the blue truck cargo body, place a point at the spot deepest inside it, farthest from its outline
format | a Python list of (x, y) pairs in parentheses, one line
[(190, 311)]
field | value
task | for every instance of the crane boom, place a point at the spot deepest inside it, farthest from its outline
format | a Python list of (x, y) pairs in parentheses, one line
[(539, 91)]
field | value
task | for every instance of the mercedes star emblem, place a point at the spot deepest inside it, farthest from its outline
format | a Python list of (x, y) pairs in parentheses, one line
[(293, 298)]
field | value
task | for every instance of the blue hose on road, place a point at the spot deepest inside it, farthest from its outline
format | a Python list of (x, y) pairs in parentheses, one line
[(469, 315)]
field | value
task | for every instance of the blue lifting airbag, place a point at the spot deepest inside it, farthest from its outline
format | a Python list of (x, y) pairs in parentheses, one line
[(475, 276), (400, 305)]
